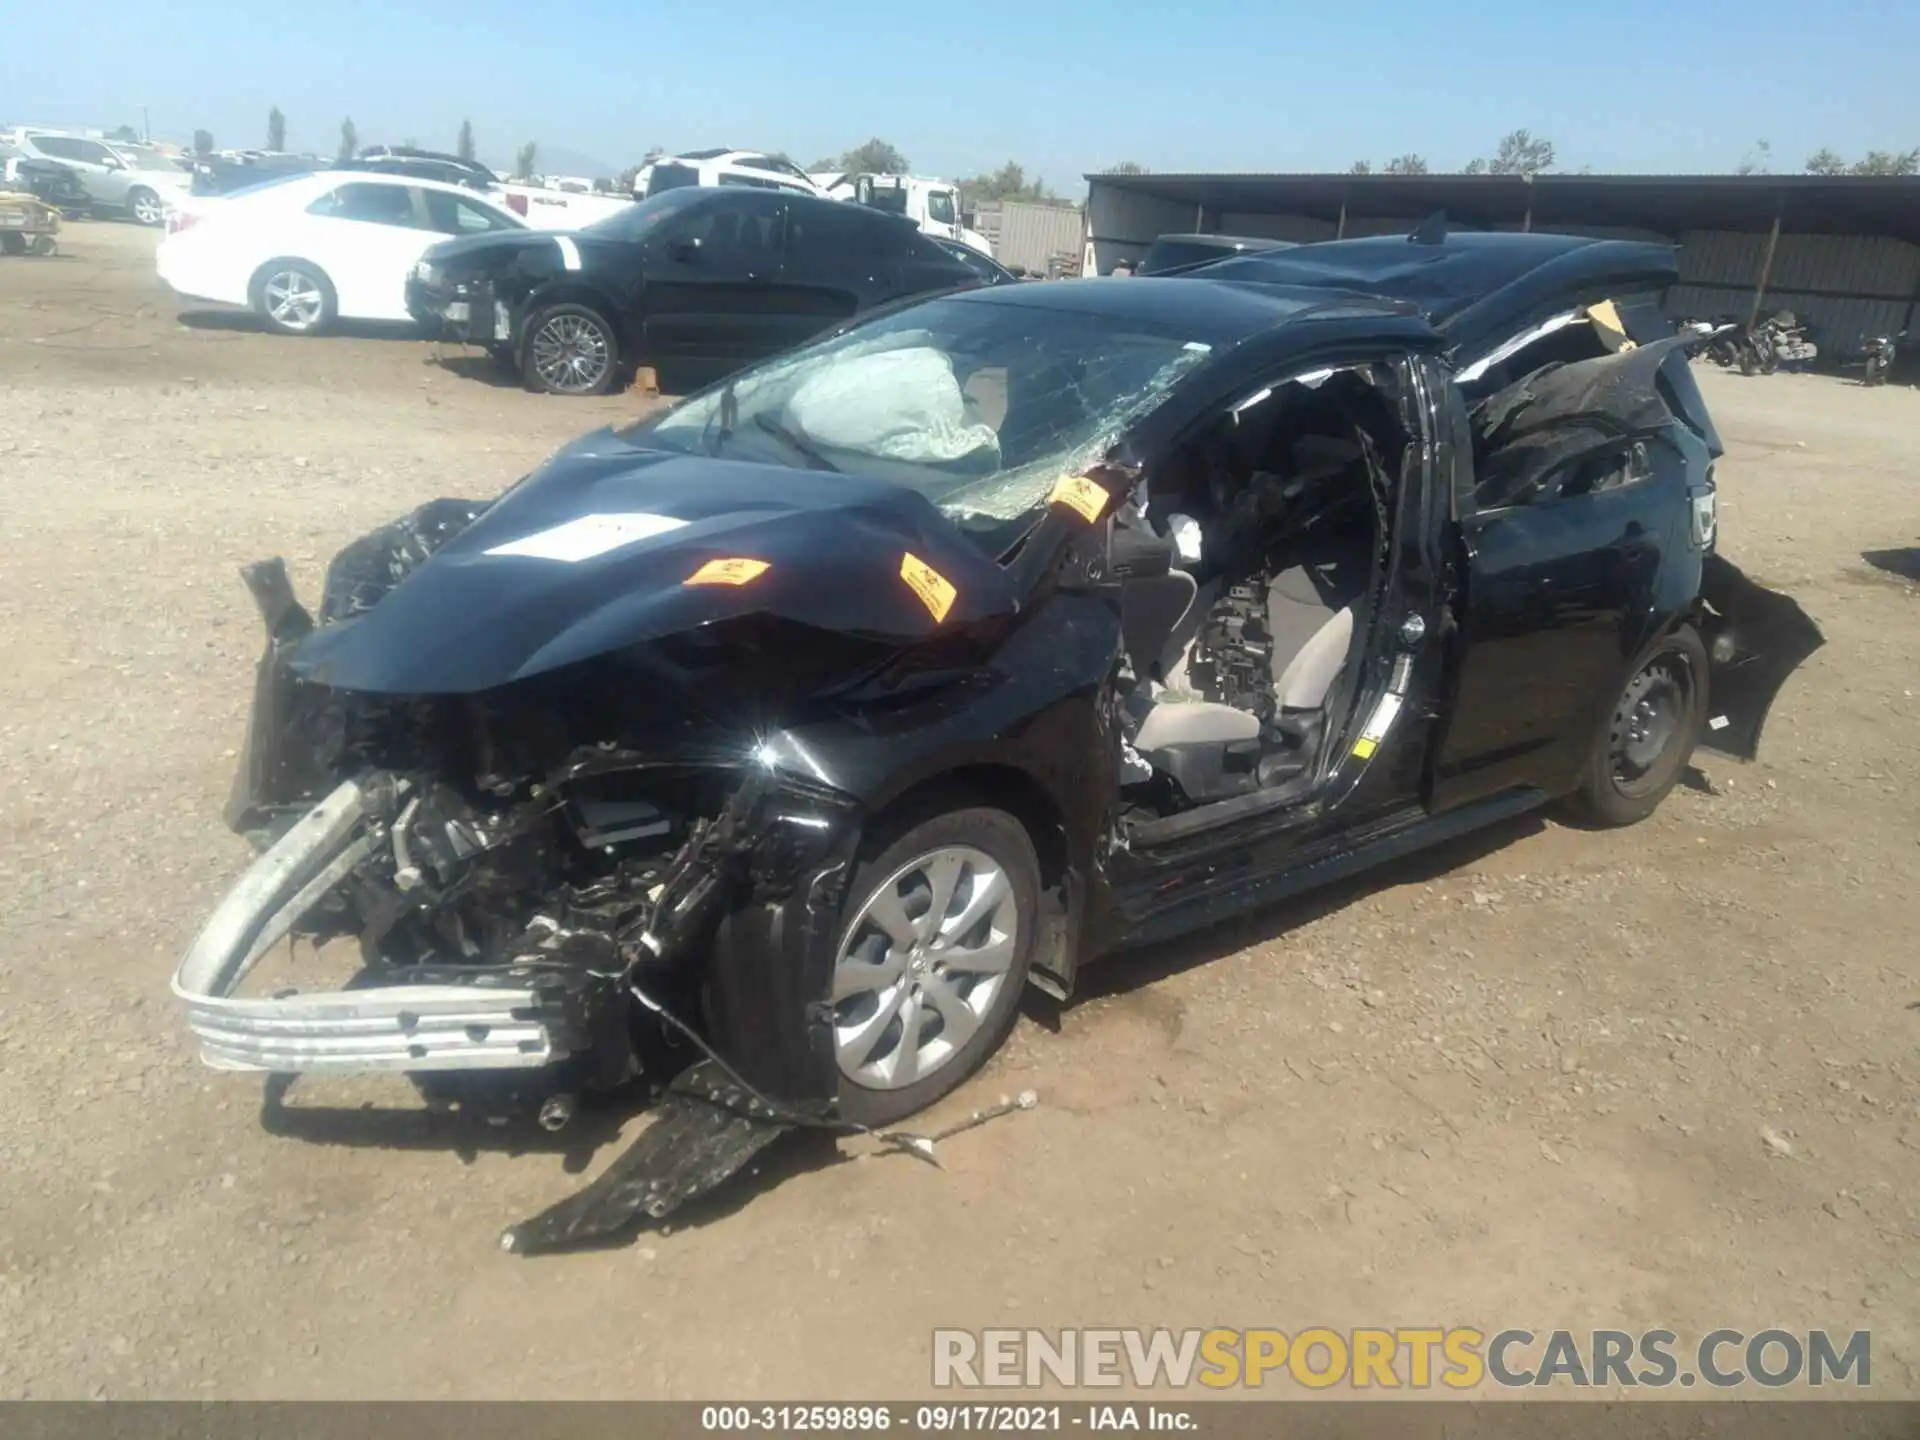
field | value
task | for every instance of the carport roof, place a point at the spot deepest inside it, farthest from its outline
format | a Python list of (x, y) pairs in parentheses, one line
[(1669, 204)]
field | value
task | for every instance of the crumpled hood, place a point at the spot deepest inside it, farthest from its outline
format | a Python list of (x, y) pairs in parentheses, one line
[(607, 545)]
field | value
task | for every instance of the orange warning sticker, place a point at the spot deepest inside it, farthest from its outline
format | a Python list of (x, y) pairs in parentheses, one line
[(1079, 493), (727, 572), (936, 592)]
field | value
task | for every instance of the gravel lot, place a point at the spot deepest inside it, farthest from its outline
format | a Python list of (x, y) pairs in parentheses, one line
[(1528, 1081)]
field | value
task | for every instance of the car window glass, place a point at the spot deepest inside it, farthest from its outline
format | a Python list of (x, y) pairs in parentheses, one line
[(373, 204), (57, 146), (834, 235), (940, 207), (739, 227), (455, 215)]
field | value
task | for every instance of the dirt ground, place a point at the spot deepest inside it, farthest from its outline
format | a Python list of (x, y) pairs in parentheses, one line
[(1523, 1082)]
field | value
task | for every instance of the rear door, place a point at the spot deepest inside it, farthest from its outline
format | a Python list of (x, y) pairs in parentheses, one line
[(711, 274), (841, 259), (1564, 566)]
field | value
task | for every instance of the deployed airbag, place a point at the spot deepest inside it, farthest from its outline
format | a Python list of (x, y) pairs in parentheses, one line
[(899, 404)]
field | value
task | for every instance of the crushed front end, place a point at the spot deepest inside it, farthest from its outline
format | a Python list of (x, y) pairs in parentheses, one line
[(549, 897)]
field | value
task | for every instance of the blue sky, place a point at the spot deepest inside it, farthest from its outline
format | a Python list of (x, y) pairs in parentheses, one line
[(1062, 86)]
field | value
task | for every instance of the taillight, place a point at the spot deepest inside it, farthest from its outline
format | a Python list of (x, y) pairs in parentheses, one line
[(517, 204)]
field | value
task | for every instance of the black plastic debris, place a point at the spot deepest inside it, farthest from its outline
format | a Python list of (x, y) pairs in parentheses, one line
[(705, 1129)]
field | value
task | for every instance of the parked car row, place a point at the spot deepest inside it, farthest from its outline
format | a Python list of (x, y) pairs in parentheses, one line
[(700, 279)]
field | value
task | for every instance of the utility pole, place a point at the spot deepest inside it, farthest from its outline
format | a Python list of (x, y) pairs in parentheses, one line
[(146, 130)]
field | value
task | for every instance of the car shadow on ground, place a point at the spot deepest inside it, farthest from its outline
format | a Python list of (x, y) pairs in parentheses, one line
[(466, 1136), (1132, 969), (1904, 562), (245, 322)]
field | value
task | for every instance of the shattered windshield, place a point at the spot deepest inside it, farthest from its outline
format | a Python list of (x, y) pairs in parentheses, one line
[(979, 407)]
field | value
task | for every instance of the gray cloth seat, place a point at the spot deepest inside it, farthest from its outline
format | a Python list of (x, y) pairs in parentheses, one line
[(1310, 612)]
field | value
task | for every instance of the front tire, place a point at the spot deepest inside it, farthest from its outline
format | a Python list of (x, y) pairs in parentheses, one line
[(145, 206), (1649, 736), (570, 350), (294, 298), (933, 957)]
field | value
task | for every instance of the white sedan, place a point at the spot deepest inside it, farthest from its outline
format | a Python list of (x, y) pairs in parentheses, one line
[(306, 250)]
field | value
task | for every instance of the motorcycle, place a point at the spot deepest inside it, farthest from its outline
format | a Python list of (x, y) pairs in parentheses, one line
[(1879, 356), (1778, 340)]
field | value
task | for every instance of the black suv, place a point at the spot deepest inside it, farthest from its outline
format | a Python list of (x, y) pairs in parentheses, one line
[(694, 282)]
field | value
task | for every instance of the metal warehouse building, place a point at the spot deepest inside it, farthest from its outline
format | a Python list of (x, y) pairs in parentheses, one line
[(1841, 251)]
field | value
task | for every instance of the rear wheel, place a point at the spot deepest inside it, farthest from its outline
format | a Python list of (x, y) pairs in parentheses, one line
[(1650, 734), (294, 298), (940, 931), (570, 350), (11, 244), (144, 205)]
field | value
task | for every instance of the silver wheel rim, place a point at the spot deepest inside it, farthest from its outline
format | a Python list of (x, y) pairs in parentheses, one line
[(293, 299), (921, 964), (146, 208), (571, 353)]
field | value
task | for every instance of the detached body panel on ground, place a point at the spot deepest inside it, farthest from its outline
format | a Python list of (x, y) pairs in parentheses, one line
[(814, 719)]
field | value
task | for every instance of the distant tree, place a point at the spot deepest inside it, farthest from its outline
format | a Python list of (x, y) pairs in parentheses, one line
[(1407, 165), (1887, 162), (1758, 160), (876, 157), (523, 160), (1126, 167), (465, 146), (1009, 182), (1360, 167), (126, 133), (276, 130), (349, 139), (412, 142), (203, 142), (1520, 154), (1474, 167), (1828, 161), (820, 167)]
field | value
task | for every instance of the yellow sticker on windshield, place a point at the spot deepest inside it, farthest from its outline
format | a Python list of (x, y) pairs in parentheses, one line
[(936, 592), (1079, 493), (1363, 748), (727, 572)]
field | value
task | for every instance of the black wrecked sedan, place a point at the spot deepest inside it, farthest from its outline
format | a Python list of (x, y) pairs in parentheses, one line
[(796, 731), (696, 282)]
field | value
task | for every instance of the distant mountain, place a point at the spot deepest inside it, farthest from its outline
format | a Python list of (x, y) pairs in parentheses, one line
[(558, 160)]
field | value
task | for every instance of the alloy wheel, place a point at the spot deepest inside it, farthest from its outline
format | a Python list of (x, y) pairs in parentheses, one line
[(293, 299), (147, 208), (921, 965), (571, 354)]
